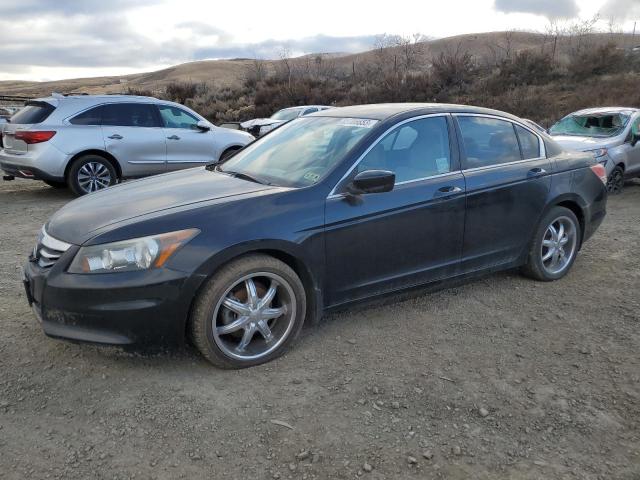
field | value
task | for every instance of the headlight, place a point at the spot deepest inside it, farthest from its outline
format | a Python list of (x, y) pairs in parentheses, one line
[(599, 152), (129, 255)]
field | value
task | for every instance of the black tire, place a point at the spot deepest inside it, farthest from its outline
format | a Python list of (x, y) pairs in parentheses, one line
[(110, 175), (55, 184), (228, 153), (217, 348), (535, 266), (615, 181)]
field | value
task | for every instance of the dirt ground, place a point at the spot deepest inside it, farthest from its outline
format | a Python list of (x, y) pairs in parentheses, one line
[(502, 377)]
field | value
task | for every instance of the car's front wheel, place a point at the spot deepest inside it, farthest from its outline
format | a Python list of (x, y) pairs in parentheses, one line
[(91, 173), (554, 246), (248, 313)]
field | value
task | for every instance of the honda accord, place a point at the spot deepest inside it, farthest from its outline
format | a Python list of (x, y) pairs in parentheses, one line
[(340, 206)]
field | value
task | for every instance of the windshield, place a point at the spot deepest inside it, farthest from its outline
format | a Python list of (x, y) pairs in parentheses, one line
[(286, 114), (300, 153), (600, 125)]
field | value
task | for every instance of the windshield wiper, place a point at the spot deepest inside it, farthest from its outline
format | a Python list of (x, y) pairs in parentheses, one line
[(244, 176)]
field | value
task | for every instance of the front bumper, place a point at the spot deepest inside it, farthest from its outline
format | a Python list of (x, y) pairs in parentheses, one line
[(128, 308)]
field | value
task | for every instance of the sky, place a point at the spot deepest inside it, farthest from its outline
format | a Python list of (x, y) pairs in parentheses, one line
[(57, 39)]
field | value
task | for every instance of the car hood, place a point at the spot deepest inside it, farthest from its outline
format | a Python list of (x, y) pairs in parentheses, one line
[(583, 144), (259, 122), (79, 220)]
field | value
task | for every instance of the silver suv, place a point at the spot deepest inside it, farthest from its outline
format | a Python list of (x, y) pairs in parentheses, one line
[(89, 142), (611, 134)]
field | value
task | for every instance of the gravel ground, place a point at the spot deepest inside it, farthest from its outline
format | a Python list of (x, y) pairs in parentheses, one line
[(502, 377)]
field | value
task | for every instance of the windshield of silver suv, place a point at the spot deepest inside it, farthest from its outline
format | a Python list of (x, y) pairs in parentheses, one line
[(598, 125), (299, 153)]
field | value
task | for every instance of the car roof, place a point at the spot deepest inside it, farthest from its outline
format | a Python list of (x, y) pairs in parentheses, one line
[(383, 111), (57, 97), (604, 110)]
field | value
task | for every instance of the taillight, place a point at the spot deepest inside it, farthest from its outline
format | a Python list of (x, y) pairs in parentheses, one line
[(600, 172), (30, 137)]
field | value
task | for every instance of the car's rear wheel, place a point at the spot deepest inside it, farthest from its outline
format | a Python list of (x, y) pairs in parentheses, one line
[(248, 313), (615, 182), (91, 173), (554, 246)]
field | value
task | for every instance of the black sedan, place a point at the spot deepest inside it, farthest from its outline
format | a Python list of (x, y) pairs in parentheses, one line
[(337, 207)]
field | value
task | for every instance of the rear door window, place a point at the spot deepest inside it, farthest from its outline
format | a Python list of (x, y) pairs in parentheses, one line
[(529, 143), (93, 116), (33, 112), (130, 115), (488, 141)]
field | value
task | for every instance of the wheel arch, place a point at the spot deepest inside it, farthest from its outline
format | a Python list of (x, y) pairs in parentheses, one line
[(286, 252), (101, 153), (576, 205), (229, 148)]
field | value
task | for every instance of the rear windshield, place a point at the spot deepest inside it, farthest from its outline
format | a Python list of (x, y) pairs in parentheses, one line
[(33, 112), (599, 125)]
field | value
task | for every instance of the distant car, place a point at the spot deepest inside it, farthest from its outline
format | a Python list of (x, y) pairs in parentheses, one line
[(4, 116), (332, 208), (260, 126), (611, 134), (89, 142)]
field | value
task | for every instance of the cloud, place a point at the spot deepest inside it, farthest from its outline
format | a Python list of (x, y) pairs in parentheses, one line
[(77, 43), (272, 48), (30, 8), (547, 8), (621, 9)]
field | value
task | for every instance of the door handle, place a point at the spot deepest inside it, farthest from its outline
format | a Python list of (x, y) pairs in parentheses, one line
[(115, 136), (174, 137), (449, 190), (536, 172)]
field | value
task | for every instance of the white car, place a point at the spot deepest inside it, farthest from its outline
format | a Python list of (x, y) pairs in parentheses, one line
[(89, 142), (260, 126)]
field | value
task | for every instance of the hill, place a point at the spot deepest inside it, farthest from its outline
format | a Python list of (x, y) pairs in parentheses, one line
[(226, 73)]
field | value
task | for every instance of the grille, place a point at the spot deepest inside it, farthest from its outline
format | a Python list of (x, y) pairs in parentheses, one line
[(48, 250)]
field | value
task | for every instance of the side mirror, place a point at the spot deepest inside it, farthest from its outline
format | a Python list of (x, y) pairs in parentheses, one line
[(204, 126), (372, 181)]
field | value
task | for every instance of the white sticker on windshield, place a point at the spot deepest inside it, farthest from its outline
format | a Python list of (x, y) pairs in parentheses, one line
[(358, 122)]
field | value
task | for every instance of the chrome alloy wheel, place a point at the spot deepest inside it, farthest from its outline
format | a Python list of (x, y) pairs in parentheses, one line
[(93, 176), (559, 245), (254, 316)]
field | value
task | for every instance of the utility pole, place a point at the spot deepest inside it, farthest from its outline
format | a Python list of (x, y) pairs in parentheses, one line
[(633, 36)]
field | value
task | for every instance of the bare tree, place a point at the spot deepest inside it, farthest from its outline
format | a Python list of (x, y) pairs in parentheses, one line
[(255, 72), (411, 49)]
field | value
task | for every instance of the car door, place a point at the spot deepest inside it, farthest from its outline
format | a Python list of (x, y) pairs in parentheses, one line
[(633, 151), (381, 242), (187, 145), (507, 179), (132, 134)]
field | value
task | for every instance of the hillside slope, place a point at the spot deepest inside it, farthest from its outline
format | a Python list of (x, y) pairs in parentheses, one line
[(230, 72)]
